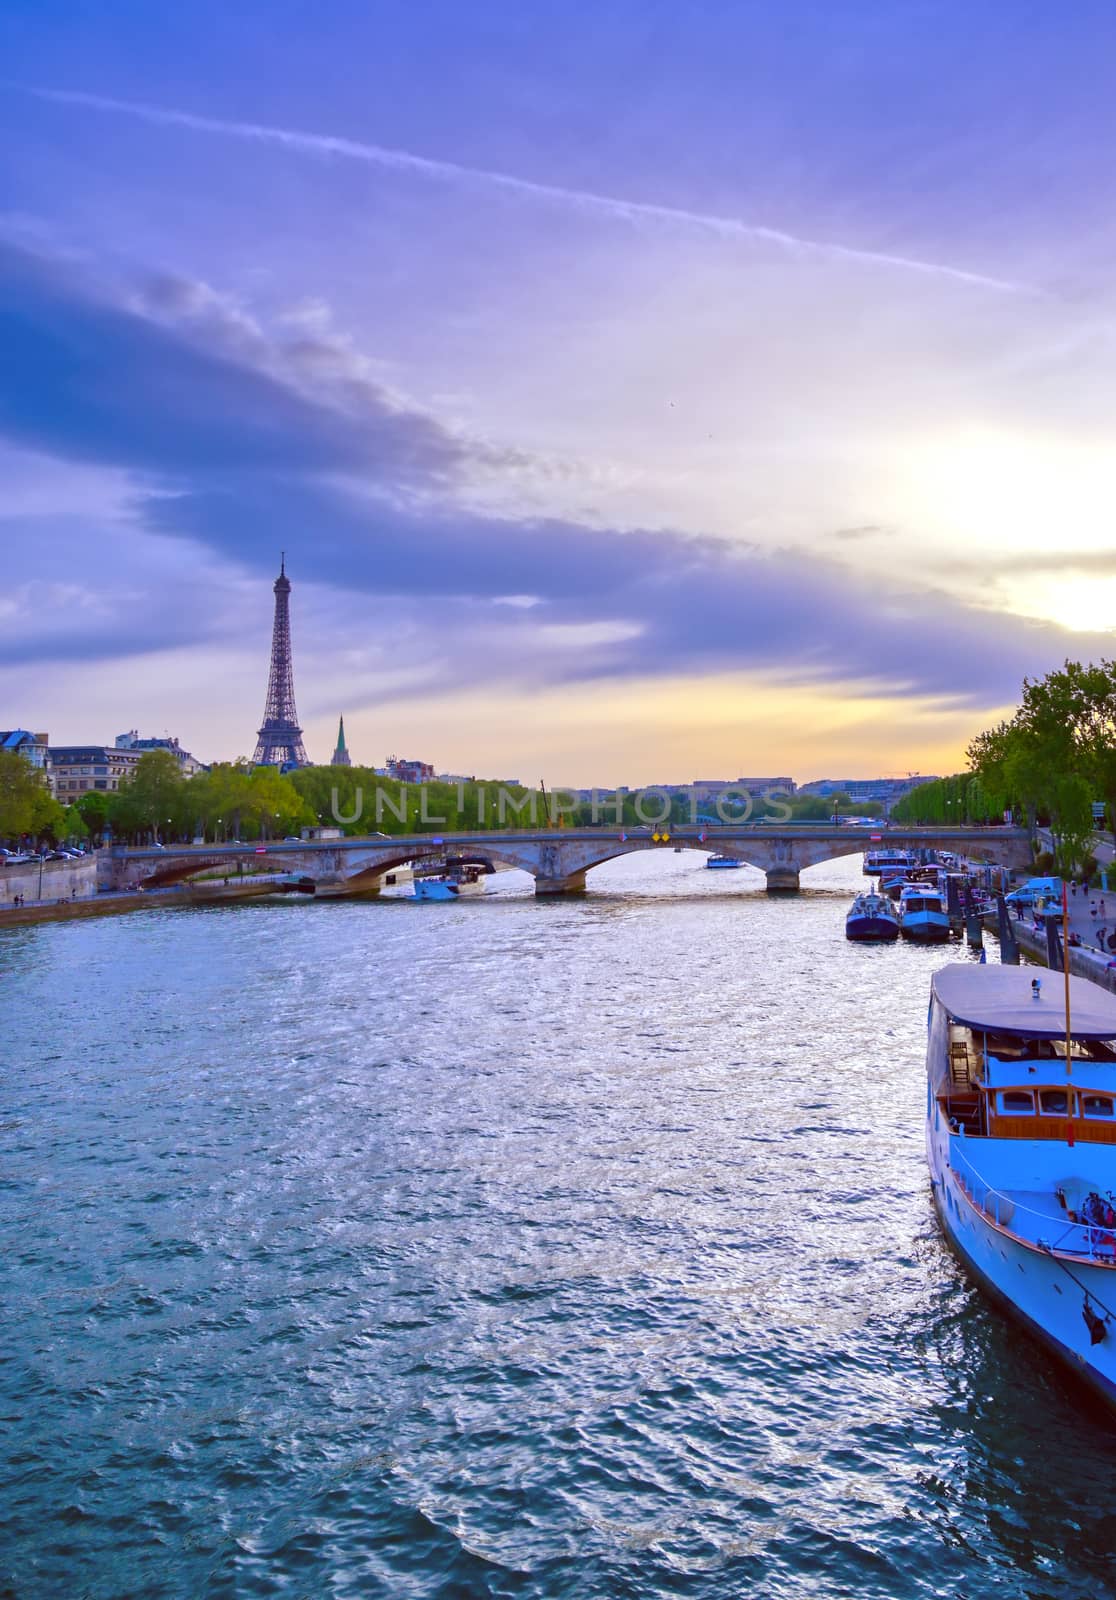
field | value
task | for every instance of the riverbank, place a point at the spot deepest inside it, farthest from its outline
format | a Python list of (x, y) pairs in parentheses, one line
[(107, 905), (1084, 962)]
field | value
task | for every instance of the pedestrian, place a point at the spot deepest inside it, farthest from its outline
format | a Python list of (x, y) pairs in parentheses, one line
[(1100, 903), (1100, 940), (1073, 887)]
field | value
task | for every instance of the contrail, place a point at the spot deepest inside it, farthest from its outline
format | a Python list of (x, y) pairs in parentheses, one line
[(633, 211)]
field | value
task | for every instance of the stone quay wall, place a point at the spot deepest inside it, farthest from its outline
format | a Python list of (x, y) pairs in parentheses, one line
[(62, 881)]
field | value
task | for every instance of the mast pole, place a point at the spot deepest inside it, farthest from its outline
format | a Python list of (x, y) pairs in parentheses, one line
[(1066, 975)]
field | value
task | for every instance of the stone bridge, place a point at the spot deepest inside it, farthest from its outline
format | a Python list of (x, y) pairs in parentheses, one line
[(557, 858)]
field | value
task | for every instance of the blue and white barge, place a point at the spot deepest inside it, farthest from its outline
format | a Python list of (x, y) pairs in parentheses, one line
[(1021, 1144)]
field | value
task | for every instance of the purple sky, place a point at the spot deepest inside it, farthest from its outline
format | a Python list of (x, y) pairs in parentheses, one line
[(668, 391)]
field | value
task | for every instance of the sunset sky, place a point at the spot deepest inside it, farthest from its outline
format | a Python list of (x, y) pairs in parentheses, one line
[(639, 391)]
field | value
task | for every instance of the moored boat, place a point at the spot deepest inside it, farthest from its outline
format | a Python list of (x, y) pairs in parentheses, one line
[(922, 914), (725, 862), (871, 918), (456, 882), (1021, 1145), (890, 862)]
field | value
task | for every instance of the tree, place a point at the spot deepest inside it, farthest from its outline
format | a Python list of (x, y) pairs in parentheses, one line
[(94, 809), (26, 803), (154, 794), (1056, 755)]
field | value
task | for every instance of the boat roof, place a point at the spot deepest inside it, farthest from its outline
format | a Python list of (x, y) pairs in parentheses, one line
[(997, 999)]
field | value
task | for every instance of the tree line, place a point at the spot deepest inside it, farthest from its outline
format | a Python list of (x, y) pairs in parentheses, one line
[(237, 801), (1049, 765)]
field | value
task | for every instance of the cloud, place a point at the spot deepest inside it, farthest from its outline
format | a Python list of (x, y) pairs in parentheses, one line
[(105, 382), (1019, 563), (621, 604), (864, 530), (584, 201), (233, 455)]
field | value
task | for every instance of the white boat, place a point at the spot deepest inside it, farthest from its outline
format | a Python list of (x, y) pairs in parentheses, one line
[(453, 884), (723, 862), (872, 918), (922, 914), (1021, 1143)]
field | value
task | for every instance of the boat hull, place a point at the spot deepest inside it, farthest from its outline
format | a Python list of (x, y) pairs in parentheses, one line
[(431, 889), (871, 930), (1031, 1285), (441, 889), (926, 928), (723, 866)]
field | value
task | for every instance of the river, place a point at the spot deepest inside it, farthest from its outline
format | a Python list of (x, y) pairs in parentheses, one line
[(508, 1248)]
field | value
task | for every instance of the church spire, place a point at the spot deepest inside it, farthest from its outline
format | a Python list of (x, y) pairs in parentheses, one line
[(341, 755)]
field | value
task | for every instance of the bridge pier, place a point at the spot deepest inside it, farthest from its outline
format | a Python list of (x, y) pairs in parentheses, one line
[(782, 880), (572, 883)]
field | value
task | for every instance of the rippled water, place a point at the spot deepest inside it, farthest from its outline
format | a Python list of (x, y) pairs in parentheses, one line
[(505, 1249)]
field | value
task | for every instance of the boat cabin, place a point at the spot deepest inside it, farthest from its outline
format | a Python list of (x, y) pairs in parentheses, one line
[(1001, 1067), (1006, 1087)]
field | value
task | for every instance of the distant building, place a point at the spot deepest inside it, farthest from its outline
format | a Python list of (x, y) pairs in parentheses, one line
[(33, 747), (707, 788), (79, 767), (188, 764), (409, 771), (885, 790), (340, 757)]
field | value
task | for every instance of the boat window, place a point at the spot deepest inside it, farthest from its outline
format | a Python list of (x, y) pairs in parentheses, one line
[(1017, 1103), (1096, 1105), (1054, 1102)]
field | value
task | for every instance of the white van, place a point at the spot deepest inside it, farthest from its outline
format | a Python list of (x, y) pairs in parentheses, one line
[(1034, 890)]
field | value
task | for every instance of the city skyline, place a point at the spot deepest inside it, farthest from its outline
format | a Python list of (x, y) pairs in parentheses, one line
[(634, 398)]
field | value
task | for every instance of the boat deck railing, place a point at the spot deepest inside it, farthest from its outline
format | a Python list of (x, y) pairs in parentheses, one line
[(1049, 1230)]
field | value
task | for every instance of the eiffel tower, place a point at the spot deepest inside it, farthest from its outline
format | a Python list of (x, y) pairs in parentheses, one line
[(280, 742)]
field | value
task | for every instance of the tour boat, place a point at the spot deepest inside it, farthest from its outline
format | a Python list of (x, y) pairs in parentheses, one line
[(871, 917), (891, 862), (1021, 1144), (922, 914), (451, 884), (723, 861)]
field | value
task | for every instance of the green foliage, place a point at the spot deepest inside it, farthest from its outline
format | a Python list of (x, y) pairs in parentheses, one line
[(949, 802), (359, 801), (26, 804), (1048, 764), (232, 800), (95, 810), (1057, 754)]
